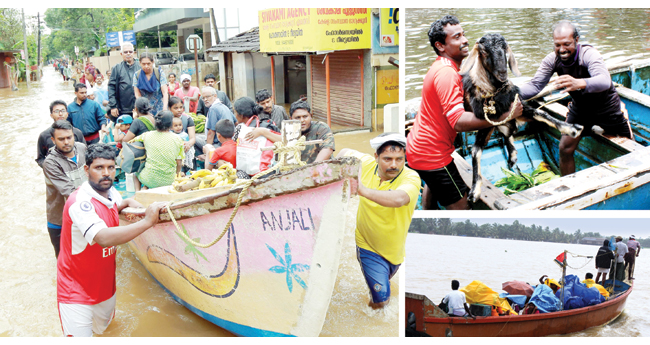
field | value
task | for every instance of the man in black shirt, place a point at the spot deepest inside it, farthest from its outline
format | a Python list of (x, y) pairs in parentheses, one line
[(58, 111)]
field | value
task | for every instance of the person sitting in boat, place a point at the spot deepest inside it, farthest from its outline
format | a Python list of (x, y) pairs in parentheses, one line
[(388, 192), (227, 153), (589, 281), (583, 74), (550, 282), (633, 250), (312, 130), (165, 154), (85, 280), (456, 301), (604, 259), (441, 116)]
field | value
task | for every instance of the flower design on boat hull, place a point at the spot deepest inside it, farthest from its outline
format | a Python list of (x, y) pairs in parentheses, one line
[(287, 267)]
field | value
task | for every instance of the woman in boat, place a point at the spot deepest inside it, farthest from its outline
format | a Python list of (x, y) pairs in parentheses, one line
[(144, 122), (165, 153), (151, 84)]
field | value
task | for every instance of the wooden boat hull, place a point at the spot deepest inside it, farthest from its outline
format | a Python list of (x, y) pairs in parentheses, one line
[(273, 273), (537, 325)]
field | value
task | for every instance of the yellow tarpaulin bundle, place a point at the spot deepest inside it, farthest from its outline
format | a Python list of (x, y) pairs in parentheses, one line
[(601, 289), (477, 292)]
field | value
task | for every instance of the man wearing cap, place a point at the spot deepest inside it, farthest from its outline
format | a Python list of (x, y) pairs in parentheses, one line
[(388, 193), (620, 251), (188, 93), (633, 250)]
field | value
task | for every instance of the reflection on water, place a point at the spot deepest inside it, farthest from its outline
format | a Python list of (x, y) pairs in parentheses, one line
[(433, 261), (28, 267), (615, 32)]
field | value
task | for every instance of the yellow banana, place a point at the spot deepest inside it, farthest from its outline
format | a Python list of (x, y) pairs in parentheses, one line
[(201, 173)]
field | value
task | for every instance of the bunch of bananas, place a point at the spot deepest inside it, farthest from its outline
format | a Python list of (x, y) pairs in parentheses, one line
[(225, 175), (199, 122)]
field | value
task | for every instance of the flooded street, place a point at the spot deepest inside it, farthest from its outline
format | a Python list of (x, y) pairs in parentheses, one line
[(28, 265), (615, 32), (495, 261)]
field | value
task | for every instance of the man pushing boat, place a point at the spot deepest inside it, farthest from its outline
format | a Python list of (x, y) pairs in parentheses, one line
[(86, 264), (388, 193)]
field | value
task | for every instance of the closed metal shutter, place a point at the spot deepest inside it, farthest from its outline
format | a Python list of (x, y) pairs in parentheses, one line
[(346, 87)]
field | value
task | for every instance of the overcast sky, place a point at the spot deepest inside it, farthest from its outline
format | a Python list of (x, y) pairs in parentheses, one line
[(640, 227)]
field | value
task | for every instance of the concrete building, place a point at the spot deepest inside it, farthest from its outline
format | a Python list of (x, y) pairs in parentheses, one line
[(337, 60)]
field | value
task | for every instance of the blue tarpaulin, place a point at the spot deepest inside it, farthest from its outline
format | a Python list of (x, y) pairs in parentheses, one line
[(578, 295), (516, 299), (544, 299)]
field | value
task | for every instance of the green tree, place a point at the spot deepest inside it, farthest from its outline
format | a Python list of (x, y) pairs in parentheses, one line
[(85, 28)]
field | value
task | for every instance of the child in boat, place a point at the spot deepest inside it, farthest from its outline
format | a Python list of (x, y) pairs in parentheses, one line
[(177, 127), (123, 125), (227, 153)]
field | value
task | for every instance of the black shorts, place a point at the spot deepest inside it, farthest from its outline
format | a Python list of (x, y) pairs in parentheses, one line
[(445, 184), (615, 125)]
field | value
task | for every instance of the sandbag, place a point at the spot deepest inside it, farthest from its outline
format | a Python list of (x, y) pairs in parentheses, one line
[(132, 157)]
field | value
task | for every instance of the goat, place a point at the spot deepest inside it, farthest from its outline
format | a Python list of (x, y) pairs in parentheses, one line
[(487, 90)]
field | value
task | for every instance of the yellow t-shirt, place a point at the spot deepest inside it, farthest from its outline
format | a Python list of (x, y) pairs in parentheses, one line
[(380, 229)]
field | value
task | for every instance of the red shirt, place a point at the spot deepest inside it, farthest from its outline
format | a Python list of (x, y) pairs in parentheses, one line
[(85, 270), (431, 141), (227, 152), (193, 91)]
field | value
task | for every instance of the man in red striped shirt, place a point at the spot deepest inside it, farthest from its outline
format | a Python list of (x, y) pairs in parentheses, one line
[(441, 116), (90, 232)]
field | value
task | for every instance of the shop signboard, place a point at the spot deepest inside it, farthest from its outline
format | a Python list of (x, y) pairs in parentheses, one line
[(314, 29), (389, 27), (388, 86), (115, 39)]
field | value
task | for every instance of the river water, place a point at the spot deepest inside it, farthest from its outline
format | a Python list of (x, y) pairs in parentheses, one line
[(433, 261), (28, 266), (615, 32)]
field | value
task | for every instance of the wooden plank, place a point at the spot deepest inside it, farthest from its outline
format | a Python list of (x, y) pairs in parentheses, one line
[(489, 193)]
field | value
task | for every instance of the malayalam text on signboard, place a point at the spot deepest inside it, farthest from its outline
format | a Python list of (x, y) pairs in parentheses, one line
[(388, 27), (314, 29)]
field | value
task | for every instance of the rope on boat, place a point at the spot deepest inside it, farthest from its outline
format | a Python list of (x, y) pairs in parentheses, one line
[(294, 148), (580, 256)]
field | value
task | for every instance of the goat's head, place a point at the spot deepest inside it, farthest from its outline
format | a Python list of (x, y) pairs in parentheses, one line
[(494, 55)]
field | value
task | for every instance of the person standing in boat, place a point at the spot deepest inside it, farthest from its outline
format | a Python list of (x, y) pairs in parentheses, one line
[(604, 259), (633, 250), (388, 192), (63, 170), (456, 301), (440, 118), (619, 268), (583, 74), (86, 265)]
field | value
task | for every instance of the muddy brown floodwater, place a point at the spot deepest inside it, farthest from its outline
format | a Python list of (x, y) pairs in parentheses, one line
[(28, 266)]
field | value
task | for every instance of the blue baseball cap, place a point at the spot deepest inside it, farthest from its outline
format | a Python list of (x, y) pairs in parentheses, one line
[(126, 119)]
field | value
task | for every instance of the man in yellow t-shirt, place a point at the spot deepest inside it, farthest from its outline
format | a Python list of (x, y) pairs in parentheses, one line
[(388, 193)]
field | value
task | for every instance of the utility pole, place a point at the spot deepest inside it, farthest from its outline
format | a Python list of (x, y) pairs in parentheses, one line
[(38, 62), (26, 53), (159, 44)]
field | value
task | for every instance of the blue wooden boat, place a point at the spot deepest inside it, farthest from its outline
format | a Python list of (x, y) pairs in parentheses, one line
[(611, 173)]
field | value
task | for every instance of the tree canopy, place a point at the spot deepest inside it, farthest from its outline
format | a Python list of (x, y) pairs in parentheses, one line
[(514, 231), (85, 28)]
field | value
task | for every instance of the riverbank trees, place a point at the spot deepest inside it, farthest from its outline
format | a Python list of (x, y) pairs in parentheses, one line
[(514, 231)]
